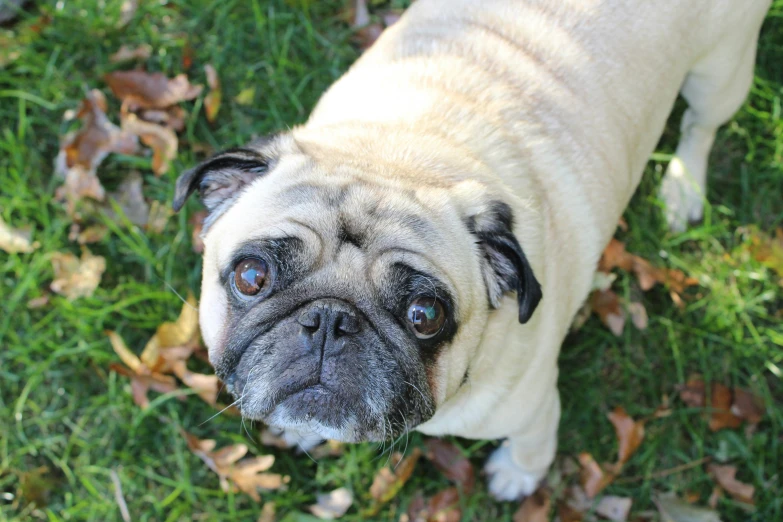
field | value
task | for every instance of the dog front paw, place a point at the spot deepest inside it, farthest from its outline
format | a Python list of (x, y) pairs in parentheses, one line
[(683, 197), (507, 481)]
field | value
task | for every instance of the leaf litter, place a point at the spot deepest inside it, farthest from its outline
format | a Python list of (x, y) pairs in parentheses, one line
[(76, 277), (14, 241), (727, 407), (235, 472), (332, 505)]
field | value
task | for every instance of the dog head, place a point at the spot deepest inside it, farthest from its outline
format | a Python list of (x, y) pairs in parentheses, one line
[(342, 297)]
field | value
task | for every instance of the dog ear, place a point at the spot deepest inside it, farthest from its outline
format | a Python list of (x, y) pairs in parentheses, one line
[(505, 267), (221, 177)]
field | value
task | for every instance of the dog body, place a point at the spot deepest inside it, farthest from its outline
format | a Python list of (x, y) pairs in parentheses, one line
[(464, 117)]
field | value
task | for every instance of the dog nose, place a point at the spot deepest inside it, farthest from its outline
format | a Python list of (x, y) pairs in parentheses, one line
[(330, 317)]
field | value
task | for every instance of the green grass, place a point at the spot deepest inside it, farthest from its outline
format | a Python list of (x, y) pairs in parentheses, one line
[(61, 408)]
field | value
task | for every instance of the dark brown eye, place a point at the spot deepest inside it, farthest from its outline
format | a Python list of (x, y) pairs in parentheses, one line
[(250, 276), (426, 317)]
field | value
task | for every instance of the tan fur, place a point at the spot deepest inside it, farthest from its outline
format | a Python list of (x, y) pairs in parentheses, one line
[(553, 106)]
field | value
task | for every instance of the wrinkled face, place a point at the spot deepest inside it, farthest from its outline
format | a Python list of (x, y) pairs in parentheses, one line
[(336, 301)]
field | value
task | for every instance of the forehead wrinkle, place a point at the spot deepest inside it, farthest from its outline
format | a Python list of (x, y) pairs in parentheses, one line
[(383, 260)]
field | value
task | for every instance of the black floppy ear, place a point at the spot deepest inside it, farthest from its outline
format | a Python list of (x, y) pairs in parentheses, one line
[(505, 267), (221, 177)]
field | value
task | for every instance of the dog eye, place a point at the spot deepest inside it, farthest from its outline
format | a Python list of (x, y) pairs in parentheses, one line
[(251, 276), (426, 317)]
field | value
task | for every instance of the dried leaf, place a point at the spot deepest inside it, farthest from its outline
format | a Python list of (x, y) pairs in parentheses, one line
[(614, 508), (330, 448), (767, 250), (15, 241), (388, 483), (74, 277), (332, 505), (162, 140), (535, 508), (747, 406), (142, 383), (206, 386), (721, 399), (126, 53), (630, 433), (452, 463), (568, 514), (366, 32), (126, 356), (693, 393), (172, 118), (673, 509), (725, 477), (594, 480), (142, 90), (638, 315), (173, 342), (444, 506), (606, 304), (615, 256), (81, 152), (244, 475), (267, 512), (212, 100)]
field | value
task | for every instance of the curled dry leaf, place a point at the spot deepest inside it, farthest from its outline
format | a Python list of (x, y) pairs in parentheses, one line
[(387, 482), (606, 305), (89, 234), (81, 152), (330, 506), (75, 277), (535, 508), (143, 90), (267, 512), (172, 118), (614, 508), (673, 509), (638, 315), (15, 241), (244, 475), (728, 407), (162, 140), (452, 463), (213, 99), (726, 478), (441, 507), (594, 479), (126, 53), (630, 433), (142, 379)]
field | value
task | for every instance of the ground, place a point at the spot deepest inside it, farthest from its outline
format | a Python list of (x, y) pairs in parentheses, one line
[(61, 408)]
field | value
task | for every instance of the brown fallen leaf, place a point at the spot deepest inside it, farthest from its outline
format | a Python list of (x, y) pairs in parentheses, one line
[(638, 314), (629, 433), (614, 508), (535, 508), (330, 506), (721, 399), (142, 378), (387, 482), (81, 152), (606, 305), (267, 512), (725, 476), (16, 241), (143, 90), (673, 509), (568, 514), (173, 342), (441, 507), (594, 479), (212, 100), (244, 475), (747, 406), (452, 463), (76, 277), (766, 249), (330, 448), (162, 140), (205, 386), (126, 53), (172, 117)]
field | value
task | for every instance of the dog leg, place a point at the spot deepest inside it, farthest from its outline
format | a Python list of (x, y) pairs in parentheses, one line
[(517, 467), (715, 89)]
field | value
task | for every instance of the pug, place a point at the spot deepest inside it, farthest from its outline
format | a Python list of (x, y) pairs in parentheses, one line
[(413, 255)]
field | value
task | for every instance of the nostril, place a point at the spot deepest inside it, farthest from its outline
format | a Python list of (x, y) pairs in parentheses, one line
[(310, 319), (348, 324)]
